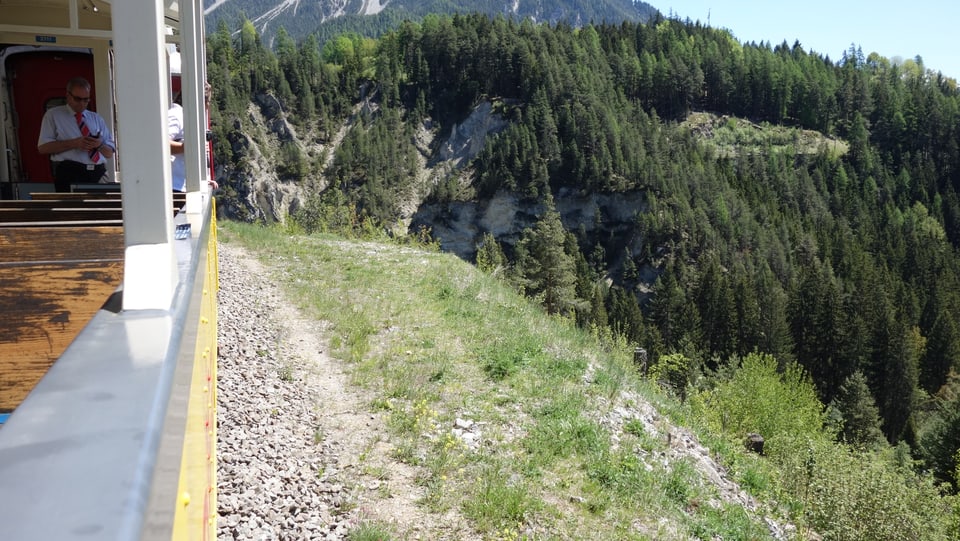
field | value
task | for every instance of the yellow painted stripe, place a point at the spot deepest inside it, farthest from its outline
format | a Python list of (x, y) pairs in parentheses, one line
[(196, 512)]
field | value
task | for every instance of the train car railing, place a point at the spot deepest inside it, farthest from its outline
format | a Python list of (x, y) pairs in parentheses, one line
[(117, 440)]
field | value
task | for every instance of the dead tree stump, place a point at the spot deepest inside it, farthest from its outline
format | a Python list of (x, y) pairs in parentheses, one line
[(754, 442)]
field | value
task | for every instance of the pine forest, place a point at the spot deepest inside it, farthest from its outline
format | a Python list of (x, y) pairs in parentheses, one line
[(814, 221)]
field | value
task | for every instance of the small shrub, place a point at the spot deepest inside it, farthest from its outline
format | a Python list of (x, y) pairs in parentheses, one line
[(727, 522), (622, 473), (501, 361), (561, 436), (634, 426), (497, 504), (370, 531), (863, 496), (754, 481), (330, 212), (673, 371), (680, 482), (759, 398)]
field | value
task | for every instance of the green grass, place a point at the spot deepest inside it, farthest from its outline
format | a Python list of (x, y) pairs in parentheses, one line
[(732, 136), (499, 505), (370, 531), (433, 340)]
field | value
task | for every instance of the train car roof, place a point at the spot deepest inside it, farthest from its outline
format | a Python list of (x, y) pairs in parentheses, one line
[(80, 15)]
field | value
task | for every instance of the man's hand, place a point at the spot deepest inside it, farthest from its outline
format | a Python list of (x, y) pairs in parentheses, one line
[(89, 142)]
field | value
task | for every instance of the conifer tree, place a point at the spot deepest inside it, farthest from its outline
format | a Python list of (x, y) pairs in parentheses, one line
[(666, 307), (861, 418), (715, 304), (598, 316), (940, 444), (746, 316), (816, 324), (490, 255), (896, 349), (588, 288), (775, 337), (626, 319), (546, 268), (942, 353), (630, 273)]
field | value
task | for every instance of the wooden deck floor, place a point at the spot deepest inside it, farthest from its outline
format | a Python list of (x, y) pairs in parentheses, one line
[(52, 282)]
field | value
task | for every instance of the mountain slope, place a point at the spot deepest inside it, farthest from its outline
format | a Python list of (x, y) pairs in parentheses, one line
[(373, 17), (473, 415), (839, 256)]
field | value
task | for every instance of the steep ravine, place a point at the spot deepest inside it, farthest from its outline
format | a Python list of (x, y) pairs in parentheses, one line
[(459, 226)]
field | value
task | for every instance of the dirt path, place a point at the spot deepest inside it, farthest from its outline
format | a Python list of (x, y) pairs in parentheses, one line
[(301, 456)]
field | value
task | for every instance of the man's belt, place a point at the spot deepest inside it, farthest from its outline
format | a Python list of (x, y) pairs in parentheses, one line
[(87, 166)]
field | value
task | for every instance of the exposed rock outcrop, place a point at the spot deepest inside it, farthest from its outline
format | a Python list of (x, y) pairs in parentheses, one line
[(468, 138), (458, 226), (261, 193)]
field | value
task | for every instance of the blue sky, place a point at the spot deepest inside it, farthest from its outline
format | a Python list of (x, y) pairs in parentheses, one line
[(930, 29)]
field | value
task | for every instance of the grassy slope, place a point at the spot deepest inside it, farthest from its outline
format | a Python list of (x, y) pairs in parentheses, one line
[(566, 446), (731, 136)]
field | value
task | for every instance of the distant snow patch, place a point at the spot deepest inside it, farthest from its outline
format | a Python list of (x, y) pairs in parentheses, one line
[(214, 6), (374, 6), (271, 14)]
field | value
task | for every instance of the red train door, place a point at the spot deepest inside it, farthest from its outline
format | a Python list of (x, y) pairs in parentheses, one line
[(39, 82)]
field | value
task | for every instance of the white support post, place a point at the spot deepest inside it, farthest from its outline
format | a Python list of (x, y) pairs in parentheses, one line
[(103, 82), (194, 115), (74, 15), (150, 273)]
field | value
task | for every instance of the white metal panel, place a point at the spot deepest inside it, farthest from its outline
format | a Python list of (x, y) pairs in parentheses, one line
[(192, 55), (75, 458), (104, 81), (150, 276)]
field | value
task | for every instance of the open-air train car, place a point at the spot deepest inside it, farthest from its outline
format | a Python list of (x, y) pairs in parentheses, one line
[(107, 296)]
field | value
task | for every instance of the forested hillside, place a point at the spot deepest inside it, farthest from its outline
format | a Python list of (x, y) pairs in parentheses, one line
[(841, 258)]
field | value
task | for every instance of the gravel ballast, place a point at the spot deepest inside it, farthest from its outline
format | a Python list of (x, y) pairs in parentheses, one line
[(279, 474)]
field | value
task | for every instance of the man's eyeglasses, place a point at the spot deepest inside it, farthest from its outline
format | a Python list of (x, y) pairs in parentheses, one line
[(82, 100)]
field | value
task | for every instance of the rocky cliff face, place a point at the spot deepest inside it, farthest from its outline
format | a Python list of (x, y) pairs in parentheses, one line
[(261, 195), (459, 226)]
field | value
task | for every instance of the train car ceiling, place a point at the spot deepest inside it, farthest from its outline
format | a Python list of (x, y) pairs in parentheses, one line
[(73, 14)]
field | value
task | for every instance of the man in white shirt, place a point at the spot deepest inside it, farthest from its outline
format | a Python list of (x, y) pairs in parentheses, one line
[(77, 140), (178, 167)]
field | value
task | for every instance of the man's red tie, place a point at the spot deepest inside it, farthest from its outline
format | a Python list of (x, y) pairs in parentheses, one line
[(85, 131)]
